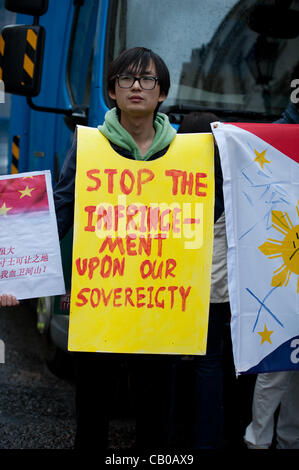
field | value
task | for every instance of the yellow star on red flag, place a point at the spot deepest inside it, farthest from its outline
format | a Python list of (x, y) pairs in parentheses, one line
[(4, 209), (26, 192)]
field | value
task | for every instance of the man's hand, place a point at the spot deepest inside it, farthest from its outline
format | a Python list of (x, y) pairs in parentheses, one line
[(7, 300)]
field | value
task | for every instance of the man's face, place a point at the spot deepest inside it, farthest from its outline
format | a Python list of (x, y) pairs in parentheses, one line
[(136, 101)]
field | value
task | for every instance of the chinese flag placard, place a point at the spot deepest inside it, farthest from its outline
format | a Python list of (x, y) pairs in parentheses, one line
[(30, 260)]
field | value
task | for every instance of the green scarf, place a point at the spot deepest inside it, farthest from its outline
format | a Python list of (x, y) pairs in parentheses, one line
[(113, 130)]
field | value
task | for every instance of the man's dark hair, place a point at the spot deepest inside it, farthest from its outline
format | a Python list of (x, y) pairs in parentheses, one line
[(136, 60), (197, 121)]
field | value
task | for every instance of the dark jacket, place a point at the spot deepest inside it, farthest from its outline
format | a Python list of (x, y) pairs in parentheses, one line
[(289, 116)]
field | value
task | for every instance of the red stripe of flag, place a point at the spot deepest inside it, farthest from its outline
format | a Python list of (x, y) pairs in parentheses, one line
[(273, 133)]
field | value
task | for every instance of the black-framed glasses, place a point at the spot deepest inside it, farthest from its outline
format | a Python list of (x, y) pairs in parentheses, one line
[(147, 82)]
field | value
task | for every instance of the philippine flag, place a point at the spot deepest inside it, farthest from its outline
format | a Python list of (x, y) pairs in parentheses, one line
[(30, 261), (260, 164)]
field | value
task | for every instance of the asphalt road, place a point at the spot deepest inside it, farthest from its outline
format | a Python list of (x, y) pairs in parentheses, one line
[(37, 407)]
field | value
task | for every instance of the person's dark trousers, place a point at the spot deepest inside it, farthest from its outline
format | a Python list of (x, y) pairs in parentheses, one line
[(153, 377), (97, 376), (208, 371)]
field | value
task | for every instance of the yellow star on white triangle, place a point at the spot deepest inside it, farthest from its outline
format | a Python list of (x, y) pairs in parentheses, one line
[(26, 192), (4, 209), (265, 335), (260, 158)]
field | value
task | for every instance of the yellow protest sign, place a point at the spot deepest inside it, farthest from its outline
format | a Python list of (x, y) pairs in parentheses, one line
[(142, 251)]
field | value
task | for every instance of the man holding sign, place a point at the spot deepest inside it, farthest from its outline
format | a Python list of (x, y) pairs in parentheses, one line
[(143, 232)]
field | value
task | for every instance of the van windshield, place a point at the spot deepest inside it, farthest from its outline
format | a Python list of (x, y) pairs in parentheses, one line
[(223, 55)]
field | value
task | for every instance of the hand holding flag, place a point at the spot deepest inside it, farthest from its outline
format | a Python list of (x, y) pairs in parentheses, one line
[(7, 300)]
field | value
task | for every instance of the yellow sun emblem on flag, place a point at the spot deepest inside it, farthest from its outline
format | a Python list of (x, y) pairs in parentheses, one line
[(287, 249)]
